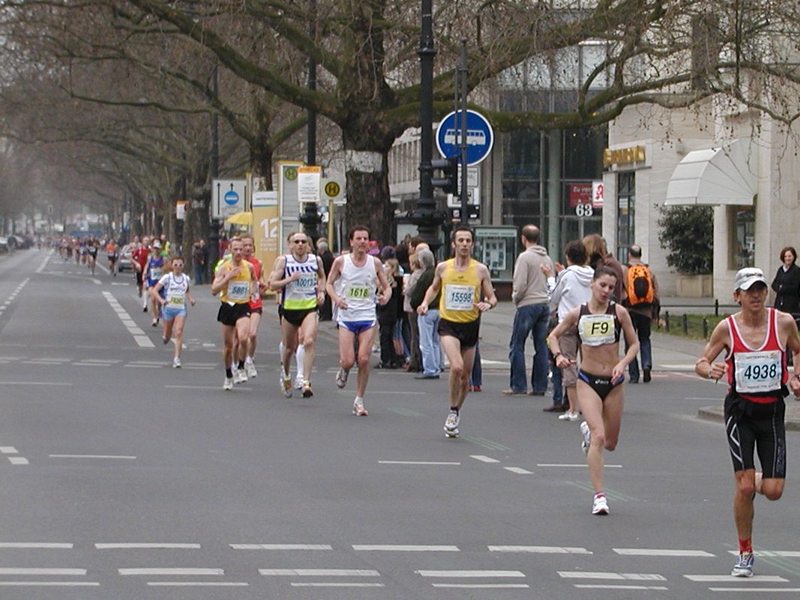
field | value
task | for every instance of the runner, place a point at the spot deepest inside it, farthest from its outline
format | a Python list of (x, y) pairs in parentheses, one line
[(111, 253), (756, 341), (139, 258), (235, 284), (256, 304), (151, 274), (301, 278), (92, 246), (352, 283), (173, 305), (601, 372), (466, 292)]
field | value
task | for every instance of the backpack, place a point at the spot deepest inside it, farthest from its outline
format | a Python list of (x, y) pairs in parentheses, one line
[(640, 285)]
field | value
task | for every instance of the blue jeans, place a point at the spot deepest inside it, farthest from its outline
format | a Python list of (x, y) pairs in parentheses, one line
[(199, 271), (529, 320), (429, 342), (642, 324)]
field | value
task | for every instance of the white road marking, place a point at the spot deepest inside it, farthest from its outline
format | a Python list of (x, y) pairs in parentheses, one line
[(574, 465), (40, 571), (51, 383), (18, 460), (8, 450), (474, 573), (319, 573), (145, 545), (589, 586), (197, 583), (138, 334), (759, 590), (731, 579), (781, 553), (661, 552), (49, 583), (539, 549), (37, 545), (40, 268), (418, 462), (518, 470), (102, 456), (403, 548), (281, 546), (609, 575), (171, 571), (482, 586), (483, 458), (337, 585)]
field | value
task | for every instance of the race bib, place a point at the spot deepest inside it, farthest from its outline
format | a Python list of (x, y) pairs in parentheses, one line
[(155, 273), (459, 297), (306, 283), (758, 371), (239, 290), (596, 330), (358, 292), (176, 300)]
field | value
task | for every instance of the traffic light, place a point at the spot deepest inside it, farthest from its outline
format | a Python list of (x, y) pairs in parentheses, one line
[(448, 181)]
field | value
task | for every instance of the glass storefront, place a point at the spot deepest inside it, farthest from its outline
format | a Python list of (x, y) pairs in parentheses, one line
[(626, 213)]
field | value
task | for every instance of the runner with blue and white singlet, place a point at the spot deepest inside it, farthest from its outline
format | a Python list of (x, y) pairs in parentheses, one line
[(173, 305)]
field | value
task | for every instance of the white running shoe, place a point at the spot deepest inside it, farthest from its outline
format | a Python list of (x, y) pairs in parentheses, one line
[(568, 416), (359, 409), (451, 424), (251, 371), (587, 437), (307, 391), (298, 382), (228, 384), (176, 363), (341, 378), (239, 376), (286, 386), (599, 505), (744, 565)]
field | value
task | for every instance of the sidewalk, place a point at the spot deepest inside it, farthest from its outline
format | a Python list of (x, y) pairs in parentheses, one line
[(670, 352)]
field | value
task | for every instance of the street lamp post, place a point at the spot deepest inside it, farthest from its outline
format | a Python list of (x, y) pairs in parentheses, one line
[(310, 217), (213, 234)]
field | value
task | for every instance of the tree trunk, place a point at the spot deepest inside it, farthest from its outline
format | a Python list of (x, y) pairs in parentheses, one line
[(368, 200)]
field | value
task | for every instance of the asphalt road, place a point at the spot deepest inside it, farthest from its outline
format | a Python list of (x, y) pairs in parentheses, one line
[(122, 478)]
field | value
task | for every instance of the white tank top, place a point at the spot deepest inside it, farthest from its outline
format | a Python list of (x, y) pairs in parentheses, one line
[(358, 285), (175, 289)]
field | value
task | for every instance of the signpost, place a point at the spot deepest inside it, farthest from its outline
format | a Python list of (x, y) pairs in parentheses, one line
[(228, 197), (479, 137)]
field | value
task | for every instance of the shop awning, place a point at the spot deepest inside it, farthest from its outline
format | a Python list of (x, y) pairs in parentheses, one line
[(715, 176)]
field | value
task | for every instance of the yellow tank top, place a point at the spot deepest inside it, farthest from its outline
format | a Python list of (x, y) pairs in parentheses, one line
[(460, 293), (238, 289)]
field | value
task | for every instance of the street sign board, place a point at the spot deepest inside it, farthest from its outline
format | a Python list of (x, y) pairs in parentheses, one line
[(228, 197), (479, 136), (333, 190), (308, 181)]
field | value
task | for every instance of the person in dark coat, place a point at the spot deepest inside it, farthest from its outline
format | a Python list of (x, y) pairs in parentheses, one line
[(324, 252), (787, 284)]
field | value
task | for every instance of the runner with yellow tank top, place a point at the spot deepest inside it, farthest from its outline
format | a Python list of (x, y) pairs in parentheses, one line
[(234, 282), (466, 292), (301, 279)]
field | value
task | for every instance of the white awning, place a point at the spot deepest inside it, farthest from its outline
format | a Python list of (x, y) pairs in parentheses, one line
[(715, 176)]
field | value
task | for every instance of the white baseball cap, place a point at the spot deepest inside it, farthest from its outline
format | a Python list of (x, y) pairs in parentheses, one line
[(745, 278), (156, 244)]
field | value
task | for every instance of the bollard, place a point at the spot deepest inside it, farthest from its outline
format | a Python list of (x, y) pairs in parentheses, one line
[(705, 328), (666, 320), (716, 307), (685, 324)]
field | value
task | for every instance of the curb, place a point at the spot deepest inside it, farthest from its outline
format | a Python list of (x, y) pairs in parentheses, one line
[(715, 413)]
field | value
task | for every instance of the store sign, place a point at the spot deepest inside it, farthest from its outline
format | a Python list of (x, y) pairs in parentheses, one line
[(579, 193), (632, 155), (598, 194)]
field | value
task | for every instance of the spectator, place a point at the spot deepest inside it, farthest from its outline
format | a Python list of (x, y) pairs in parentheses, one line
[(598, 256), (324, 252), (419, 283), (199, 260), (787, 284), (529, 294), (387, 314), (642, 303)]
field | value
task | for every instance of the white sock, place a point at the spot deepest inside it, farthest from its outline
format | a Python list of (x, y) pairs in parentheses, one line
[(299, 356)]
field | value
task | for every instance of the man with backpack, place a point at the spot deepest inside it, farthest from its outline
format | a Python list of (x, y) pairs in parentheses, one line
[(642, 304)]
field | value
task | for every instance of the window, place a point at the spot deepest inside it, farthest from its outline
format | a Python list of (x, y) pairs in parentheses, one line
[(626, 211), (742, 225)]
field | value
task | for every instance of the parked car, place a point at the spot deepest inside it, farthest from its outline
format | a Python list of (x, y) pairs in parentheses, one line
[(4, 244), (125, 260)]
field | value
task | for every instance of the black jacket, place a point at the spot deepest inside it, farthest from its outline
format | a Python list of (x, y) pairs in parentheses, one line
[(787, 289)]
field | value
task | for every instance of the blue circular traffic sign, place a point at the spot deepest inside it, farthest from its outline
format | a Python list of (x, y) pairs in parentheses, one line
[(231, 198), (479, 136)]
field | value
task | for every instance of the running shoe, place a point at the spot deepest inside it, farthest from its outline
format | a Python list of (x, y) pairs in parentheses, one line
[(341, 378), (286, 385), (228, 384), (359, 409), (298, 382), (239, 376), (451, 424), (568, 416), (600, 505), (307, 391), (587, 437), (744, 565), (165, 339), (251, 371), (176, 363)]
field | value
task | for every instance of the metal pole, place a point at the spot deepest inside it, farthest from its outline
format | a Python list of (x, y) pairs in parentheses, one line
[(213, 234), (310, 217), (462, 92)]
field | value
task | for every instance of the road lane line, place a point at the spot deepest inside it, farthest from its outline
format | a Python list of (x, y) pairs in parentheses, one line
[(18, 460), (338, 584), (8, 450), (171, 571), (662, 552), (319, 573), (403, 548), (610, 575), (281, 546), (518, 470), (732, 579), (198, 583), (754, 590), (51, 383), (539, 549), (482, 586), (574, 465), (475, 573), (589, 586), (41, 571), (483, 458), (138, 334), (145, 545), (103, 456), (418, 462), (49, 583)]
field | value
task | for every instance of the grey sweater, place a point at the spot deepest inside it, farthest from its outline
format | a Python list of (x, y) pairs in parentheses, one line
[(530, 284)]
